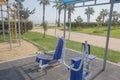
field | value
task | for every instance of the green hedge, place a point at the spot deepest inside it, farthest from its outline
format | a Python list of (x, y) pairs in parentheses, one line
[(5, 24), (29, 25), (90, 24), (82, 25)]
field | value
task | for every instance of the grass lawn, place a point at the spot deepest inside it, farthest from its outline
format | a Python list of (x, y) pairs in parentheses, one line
[(101, 31), (49, 43), (61, 27)]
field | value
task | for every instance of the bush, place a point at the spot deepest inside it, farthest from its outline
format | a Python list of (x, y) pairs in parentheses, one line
[(104, 24), (90, 24), (82, 25), (45, 25), (113, 24), (5, 25), (29, 25)]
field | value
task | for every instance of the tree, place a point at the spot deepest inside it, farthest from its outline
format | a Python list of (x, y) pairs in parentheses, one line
[(19, 2), (99, 20), (118, 17), (44, 3), (59, 7), (79, 20), (70, 8), (115, 16), (24, 12), (104, 13), (89, 11), (19, 5), (45, 24)]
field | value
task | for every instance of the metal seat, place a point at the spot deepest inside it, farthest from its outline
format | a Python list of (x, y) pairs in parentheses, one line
[(44, 60)]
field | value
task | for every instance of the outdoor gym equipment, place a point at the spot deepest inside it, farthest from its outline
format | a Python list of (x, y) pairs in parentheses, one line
[(45, 60), (80, 66), (9, 24), (3, 26), (12, 29), (94, 3)]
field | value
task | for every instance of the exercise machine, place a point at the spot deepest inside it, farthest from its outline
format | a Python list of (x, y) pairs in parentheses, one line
[(80, 68)]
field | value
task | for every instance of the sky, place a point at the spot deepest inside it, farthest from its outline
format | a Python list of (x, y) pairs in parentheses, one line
[(51, 14)]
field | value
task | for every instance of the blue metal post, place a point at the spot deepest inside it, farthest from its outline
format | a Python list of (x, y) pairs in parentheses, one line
[(76, 75)]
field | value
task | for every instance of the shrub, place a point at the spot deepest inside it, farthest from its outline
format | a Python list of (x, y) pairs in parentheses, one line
[(82, 25), (90, 24), (45, 25), (29, 25)]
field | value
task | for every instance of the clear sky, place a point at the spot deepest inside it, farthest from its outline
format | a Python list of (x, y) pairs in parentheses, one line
[(50, 15)]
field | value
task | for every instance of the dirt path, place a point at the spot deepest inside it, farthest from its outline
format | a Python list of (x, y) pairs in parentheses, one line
[(26, 49), (80, 37)]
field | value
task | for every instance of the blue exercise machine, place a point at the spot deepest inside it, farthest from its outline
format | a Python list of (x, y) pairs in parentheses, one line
[(80, 68), (45, 60)]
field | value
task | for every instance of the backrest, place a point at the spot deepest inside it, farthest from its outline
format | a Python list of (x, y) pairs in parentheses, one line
[(84, 47), (59, 48)]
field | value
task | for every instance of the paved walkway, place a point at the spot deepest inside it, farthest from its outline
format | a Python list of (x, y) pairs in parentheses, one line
[(80, 37), (26, 69)]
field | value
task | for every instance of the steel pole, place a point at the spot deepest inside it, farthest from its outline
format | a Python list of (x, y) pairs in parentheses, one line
[(108, 35), (56, 24), (3, 26), (15, 25), (19, 26), (9, 24), (64, 46), (64, 21)]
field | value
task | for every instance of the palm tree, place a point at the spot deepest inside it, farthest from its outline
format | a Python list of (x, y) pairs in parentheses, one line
[(70, 8), (59, 7), (115, 16), (44, 3), (79, 20), (99, 21), (118, 16), (89, 11), (104, 13)]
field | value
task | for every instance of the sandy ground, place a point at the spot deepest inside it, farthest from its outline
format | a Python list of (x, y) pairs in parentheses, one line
[(26, 49), (99, 41)]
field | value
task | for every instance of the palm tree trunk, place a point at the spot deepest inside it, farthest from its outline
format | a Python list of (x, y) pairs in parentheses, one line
[(103, 18), (87, 18), (59, 12), (117, 19), (44, 19), (68, 16)]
